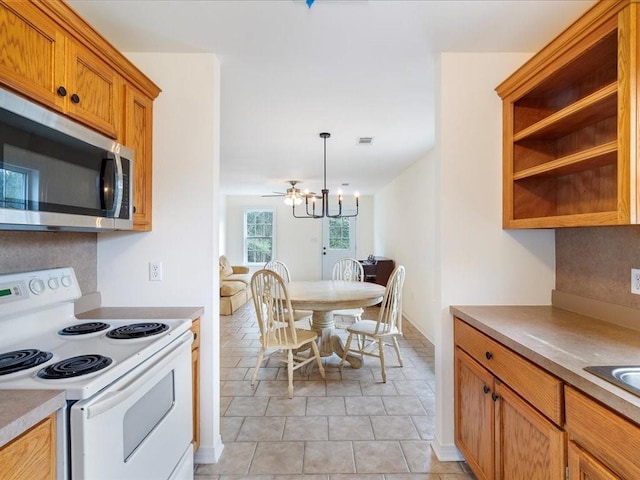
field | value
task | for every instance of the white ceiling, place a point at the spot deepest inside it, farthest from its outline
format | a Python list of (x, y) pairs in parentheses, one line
[(353, 68)]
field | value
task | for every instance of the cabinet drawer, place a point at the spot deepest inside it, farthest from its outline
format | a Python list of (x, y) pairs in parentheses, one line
[(541, 389), (612, 439)]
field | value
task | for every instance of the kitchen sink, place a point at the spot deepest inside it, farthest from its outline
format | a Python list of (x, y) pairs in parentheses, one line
[(626, 377)]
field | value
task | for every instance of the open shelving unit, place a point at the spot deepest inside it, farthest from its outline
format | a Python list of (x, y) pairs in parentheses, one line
[(569, 128)]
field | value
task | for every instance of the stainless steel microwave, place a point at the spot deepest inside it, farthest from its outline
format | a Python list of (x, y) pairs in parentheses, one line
[(56, 174)]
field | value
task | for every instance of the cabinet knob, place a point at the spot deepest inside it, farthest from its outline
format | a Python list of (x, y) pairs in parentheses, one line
[(195, 336), (489, 355), (62, 91), (75, 98), (485, 389), (494, 396)]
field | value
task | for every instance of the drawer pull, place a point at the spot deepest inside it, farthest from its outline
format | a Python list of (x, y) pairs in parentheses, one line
[(489, 355), (494, 396), (486, 389), (75, 98), (62, 91)]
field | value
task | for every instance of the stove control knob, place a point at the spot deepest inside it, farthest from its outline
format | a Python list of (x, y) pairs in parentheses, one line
[(53, 283), (66, 281), (37, 286)]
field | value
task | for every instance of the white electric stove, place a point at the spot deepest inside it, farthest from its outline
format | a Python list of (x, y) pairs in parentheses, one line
[(128, 383)]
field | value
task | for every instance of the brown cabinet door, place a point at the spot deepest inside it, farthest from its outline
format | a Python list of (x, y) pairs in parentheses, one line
[(527, 445), (195, 372), (32, 53), (93, 90), (137, 136), (474, 409), (583, 466), (32, 455)]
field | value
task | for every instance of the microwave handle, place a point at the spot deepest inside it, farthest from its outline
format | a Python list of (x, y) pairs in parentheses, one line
[(119, 186), (111, 184)]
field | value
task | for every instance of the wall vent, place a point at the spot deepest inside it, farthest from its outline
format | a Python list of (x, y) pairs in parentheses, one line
[(365, 140)]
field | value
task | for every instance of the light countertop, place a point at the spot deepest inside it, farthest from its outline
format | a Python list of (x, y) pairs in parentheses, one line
[(22, 409), (563, 343), (141, 313)]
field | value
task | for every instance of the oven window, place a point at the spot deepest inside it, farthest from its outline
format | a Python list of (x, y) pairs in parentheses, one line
[(146, 413)]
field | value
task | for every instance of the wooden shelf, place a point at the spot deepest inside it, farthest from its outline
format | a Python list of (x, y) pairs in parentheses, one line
[(588, 110), (589, 159)]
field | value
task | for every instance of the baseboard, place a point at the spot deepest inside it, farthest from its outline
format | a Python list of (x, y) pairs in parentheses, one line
[(209, 455), (446, 453)]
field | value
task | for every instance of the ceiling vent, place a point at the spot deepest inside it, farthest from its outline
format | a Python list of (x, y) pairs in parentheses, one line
[(365, 140)]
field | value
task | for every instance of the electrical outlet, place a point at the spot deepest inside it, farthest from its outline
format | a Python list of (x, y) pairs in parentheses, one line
[(155, 271), (635, 281)]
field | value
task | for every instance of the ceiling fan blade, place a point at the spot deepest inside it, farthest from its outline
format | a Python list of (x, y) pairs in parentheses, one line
[(275, 194)]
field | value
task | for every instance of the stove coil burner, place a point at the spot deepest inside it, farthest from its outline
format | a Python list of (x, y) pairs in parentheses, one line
[(137, 330), (75, 367), (18, 360), (84, 328)]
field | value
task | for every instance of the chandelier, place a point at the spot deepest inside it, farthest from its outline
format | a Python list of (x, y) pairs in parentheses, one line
[(317, 206)]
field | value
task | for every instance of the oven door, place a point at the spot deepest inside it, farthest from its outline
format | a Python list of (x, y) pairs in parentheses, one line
[(140, 426)]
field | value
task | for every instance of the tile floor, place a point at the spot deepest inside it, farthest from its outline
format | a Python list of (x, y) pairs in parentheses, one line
[(347, 426)]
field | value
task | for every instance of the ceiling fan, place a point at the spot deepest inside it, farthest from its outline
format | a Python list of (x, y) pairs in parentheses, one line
[(293, 195)]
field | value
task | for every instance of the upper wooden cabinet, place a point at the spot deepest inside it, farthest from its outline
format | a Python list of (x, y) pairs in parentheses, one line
[(137, 129), (569, 126), (52, 56), (43, 62), (93, 90)]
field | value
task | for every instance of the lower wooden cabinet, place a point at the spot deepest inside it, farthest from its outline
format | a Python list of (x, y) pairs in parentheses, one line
[(475, 432), (500, 433), (527, 445), (516, 421), (32, 455), (583, 466), (195, 369), (604, 442)]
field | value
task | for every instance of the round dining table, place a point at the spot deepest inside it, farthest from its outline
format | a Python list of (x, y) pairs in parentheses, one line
[(322, 297)]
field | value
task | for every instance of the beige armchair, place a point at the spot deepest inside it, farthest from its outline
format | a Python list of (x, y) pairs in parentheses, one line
[(235, 286)]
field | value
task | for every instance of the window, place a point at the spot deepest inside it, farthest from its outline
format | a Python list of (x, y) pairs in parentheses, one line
[(14, 184), (339, 234), (258, 236)]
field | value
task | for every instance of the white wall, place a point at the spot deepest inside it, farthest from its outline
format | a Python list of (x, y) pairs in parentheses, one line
[(479, 262), (405, 231), (298, 240), (185, 217)]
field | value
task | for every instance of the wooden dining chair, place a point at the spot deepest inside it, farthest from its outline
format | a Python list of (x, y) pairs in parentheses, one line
[(279, 336), (301, 317), (280, 268), (370, 335), (348, 269)]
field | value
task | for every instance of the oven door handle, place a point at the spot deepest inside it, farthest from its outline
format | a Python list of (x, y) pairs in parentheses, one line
[(112, 399)]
